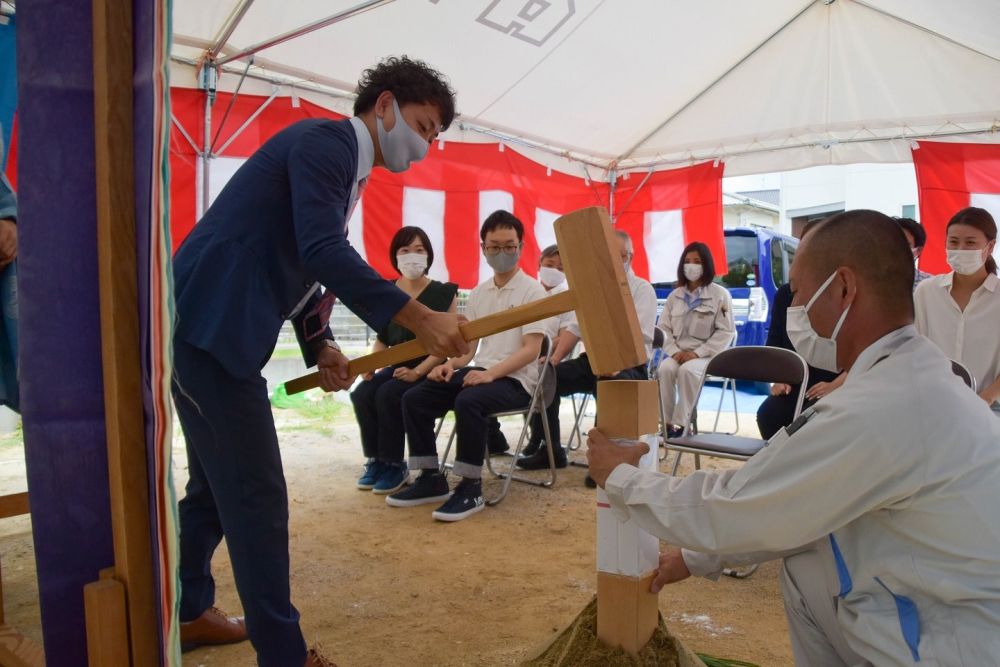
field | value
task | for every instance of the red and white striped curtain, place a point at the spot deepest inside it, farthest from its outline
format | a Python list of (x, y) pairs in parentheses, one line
[(951, 177), (451, 192)]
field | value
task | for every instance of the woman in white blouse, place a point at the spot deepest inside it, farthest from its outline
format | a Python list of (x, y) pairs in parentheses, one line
[(697, 321), (960, 311)]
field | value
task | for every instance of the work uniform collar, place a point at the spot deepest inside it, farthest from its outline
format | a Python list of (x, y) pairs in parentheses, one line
[(880, 349)]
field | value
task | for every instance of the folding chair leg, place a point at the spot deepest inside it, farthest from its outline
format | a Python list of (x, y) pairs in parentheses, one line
[(444, 459), (677, 464), (577, 433), (509, 476)]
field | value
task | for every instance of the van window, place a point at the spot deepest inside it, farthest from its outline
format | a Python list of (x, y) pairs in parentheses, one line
[(741, 252), (789, 252), (777, 266)]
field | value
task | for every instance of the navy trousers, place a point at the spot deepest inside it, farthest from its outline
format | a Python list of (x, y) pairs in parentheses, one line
[(378, 405), (236, 489), (574, 376), (431, 400)]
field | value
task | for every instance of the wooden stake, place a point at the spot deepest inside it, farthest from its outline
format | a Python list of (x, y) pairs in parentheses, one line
[(627, 613), (120, 343)]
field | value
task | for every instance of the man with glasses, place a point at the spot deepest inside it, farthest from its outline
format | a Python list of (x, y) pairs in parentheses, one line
[(503, 376), (575, 377)]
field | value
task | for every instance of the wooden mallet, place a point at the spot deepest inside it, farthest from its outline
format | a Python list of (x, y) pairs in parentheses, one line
[(627, 613), (598, 293)]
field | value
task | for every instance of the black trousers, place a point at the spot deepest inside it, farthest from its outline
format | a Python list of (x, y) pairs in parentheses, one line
[(236, 489), (574, 377), (777, 412), (378, 406), (425, 404)]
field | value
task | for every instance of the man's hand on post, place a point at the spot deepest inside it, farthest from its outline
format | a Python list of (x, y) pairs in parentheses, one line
[(672, 569), (333, 373), (438, 332), (603, 456)]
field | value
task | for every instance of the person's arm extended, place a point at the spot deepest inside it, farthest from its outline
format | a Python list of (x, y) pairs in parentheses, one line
[(565, 343), (780, 499), (531, 346), (991, 393)]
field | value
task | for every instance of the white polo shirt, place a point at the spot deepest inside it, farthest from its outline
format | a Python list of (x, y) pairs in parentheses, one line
[(560, 322), (971, 337), (488, 299)]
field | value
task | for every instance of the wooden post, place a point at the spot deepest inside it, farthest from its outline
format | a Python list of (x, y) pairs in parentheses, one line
[(120, 347), (107, 638), (627, 556)]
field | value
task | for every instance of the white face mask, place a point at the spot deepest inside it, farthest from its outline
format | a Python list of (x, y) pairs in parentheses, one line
[(966, 262), (402, 145), (551, 277), (693, 272), (818, 352), (412, 264)]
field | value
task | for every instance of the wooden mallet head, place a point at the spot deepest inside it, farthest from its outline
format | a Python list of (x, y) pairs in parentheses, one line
[(603, 301)]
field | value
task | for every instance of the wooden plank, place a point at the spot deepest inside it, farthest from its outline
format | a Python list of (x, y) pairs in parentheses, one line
[(627, 613), (605, 309), (107, 637), (120, 343), (14, 504), (485, 326)]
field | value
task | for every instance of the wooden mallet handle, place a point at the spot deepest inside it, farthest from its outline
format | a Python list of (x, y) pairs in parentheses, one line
[(471, 331)]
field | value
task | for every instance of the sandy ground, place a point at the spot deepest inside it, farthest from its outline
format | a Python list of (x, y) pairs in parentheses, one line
[(384, 586)]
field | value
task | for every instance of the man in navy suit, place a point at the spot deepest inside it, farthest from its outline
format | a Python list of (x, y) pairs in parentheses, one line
[(273, 247)]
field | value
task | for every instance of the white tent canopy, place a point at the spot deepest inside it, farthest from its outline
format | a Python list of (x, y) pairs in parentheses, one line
[(639, 84)]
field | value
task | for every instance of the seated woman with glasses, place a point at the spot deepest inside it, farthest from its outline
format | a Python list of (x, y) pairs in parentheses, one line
[(378, 399)]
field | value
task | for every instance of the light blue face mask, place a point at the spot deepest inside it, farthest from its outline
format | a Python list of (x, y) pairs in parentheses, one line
[(402, 145)]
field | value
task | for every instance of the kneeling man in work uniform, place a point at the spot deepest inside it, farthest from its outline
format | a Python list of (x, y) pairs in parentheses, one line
[(881, 499)]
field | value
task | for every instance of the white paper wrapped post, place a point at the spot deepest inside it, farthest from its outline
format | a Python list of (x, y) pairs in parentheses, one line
[(627, 556)]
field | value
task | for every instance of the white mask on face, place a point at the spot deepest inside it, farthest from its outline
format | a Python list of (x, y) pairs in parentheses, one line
[(412, 264), (551, 277), (966, 262), (818, 352), (402, 145), (693, 272)]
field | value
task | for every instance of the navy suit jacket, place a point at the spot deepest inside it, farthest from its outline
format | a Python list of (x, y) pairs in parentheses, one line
[(277, 227)]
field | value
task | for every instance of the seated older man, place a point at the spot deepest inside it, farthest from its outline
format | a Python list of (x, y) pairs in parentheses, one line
[(881, 499)]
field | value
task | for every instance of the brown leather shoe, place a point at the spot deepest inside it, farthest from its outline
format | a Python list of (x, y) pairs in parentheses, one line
[(314, 659), (212, 627)]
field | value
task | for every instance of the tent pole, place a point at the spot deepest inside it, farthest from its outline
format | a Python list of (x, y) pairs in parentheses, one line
[(613, 183), (207, 81), (246, 123), (304, 30), (229, 28), (232, 101)]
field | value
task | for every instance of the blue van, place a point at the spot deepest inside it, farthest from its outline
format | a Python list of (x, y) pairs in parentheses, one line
[(757, 265)]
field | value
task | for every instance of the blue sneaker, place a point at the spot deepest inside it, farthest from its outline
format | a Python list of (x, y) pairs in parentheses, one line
[(373, 470), (394, 477), (466, 500)]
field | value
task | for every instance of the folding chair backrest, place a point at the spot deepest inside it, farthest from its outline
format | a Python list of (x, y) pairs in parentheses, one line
[(760, 364), (659, 338)]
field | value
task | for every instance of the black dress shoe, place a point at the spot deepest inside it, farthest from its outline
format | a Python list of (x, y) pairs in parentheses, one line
[(540, 459), (531, 449), (589, 482)]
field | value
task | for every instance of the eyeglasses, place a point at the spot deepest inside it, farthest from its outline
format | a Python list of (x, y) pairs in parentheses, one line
[(493, 250)]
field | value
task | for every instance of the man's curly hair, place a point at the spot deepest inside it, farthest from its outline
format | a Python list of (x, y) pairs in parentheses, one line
[(410, 81)]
